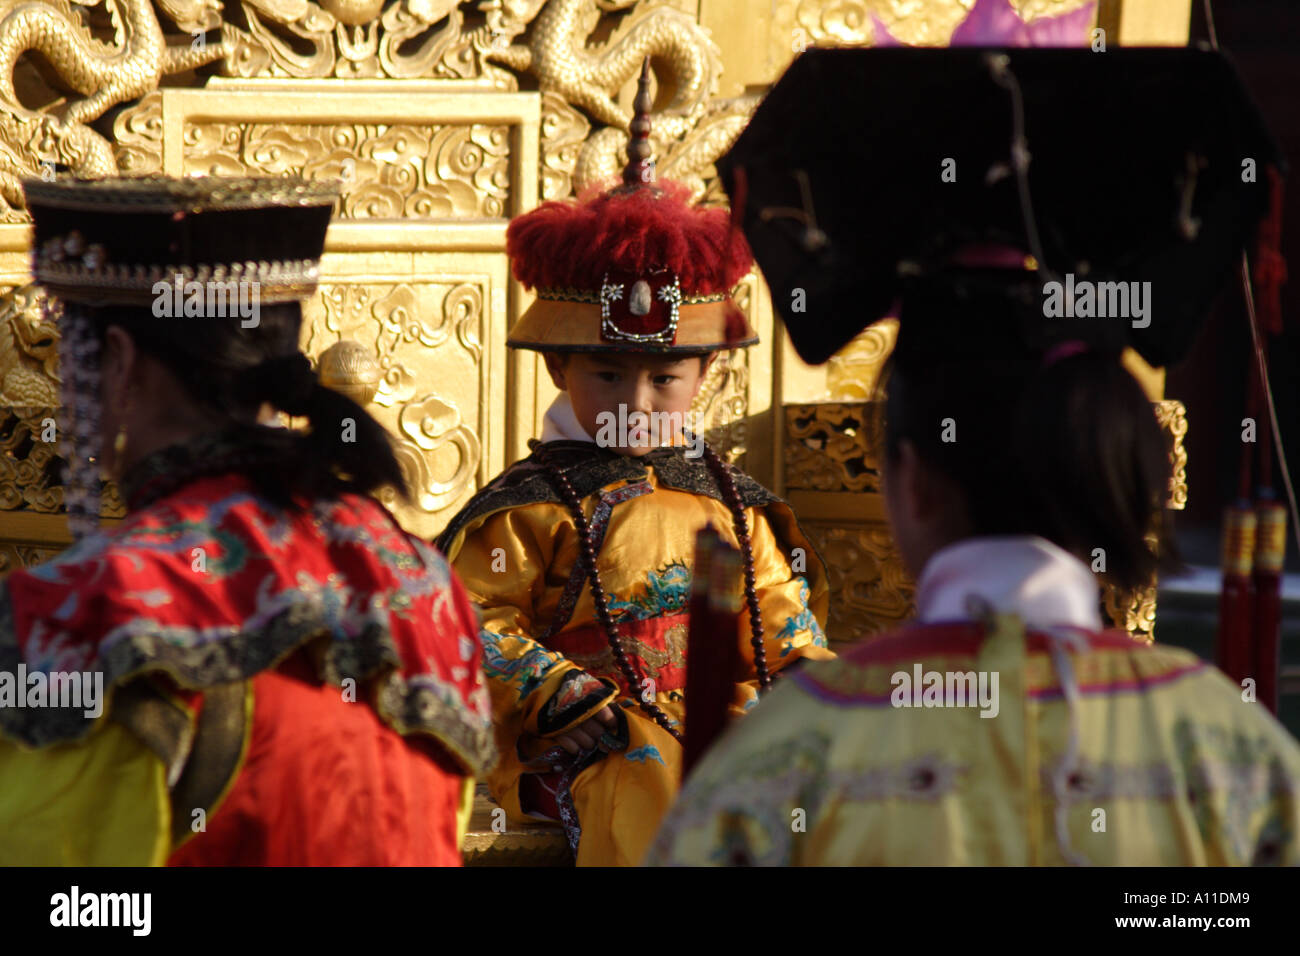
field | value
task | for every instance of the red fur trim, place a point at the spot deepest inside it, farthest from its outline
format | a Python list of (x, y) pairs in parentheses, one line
[(573, 244)]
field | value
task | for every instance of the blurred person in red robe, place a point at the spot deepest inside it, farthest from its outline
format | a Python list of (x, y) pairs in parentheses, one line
[(257, 666)]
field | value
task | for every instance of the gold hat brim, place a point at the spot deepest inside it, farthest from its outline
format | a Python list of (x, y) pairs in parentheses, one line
[(551, 325)]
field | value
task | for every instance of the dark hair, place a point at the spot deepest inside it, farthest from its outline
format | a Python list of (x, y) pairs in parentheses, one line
[(230, 373), (1071, 452)]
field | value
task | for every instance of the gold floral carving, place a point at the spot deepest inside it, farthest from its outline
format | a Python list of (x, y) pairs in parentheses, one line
[(388, 171), (1134, 612), (1172, 416), (30, 465), (870, 592), (828, 447)]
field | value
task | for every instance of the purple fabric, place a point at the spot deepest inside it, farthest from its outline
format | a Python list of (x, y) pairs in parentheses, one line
[(989, 255), (996, 23), (1063, 350)]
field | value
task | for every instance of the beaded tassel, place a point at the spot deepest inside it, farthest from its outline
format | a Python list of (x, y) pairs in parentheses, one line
[(79, 373)]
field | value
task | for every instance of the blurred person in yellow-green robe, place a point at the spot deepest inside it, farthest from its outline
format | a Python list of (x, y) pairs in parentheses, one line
[(1006, 725)]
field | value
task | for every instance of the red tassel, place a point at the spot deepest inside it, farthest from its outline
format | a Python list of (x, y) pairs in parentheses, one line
[(1236, 603), (1270, 267), (712, 646), (1270, 552)]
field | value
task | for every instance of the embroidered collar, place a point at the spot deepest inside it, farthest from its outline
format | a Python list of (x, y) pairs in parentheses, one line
[(161, 472)]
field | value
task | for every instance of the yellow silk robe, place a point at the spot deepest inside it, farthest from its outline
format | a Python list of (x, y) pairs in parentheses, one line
[(1170, 766), (518, 559)]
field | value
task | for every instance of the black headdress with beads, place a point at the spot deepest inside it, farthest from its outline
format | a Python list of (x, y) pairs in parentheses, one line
[(139, 242)]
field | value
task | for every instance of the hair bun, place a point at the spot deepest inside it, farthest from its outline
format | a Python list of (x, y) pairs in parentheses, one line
[(286, 381)]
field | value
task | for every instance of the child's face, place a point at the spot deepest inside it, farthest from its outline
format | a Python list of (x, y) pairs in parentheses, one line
[(658, 387)]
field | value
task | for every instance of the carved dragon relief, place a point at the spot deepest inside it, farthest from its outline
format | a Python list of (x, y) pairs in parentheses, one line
[(104, 75)]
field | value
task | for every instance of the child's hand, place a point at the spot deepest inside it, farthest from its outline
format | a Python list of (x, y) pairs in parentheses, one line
[(588, 734)]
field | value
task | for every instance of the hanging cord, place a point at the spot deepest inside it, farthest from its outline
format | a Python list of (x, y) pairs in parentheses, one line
[(999, 67), (1209, 22), (1056, 642), (1262, 365)]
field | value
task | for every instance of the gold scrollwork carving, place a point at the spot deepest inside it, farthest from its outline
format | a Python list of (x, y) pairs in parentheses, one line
[(409, 324), (137, 137), (14, 556), (388, 171), (28, 460), (722, 404), (854, 370), (433, 426), (1133, 611), (1172, 416), (564, 130)]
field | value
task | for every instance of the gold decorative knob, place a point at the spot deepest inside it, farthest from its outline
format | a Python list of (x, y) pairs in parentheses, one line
[(354, 13), (348, 367)]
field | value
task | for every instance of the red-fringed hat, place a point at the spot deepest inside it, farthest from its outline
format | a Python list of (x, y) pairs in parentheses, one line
[(633, 269)]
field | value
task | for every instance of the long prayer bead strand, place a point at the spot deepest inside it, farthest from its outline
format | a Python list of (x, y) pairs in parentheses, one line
[(722, 473), (587, 554)]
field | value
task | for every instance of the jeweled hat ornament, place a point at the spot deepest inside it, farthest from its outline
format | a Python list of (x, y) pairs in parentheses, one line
[(634, 268), (117, 243)]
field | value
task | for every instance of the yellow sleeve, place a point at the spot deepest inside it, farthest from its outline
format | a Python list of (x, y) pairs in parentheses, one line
[(502, 562), (791, 629), (99, 802), (465, 810)]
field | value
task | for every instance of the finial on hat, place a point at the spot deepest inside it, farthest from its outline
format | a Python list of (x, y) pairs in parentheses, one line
[(640, 169)]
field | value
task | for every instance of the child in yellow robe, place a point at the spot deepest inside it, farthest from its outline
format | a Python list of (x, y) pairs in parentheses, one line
[(633, 301)]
